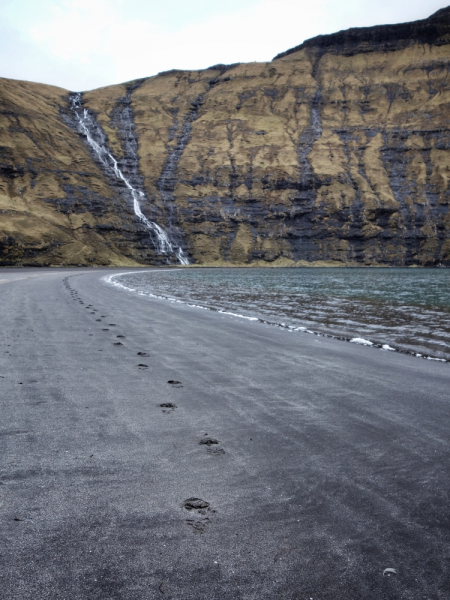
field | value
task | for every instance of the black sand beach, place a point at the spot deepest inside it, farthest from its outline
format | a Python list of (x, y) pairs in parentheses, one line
[(323, 463)]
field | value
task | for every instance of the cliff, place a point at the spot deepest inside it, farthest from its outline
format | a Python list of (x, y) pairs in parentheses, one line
[(337, 151)]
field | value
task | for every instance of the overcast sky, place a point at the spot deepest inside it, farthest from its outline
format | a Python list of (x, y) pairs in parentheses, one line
[(84, 44)]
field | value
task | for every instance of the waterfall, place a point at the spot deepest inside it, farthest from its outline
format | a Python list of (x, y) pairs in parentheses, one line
[(87, 125)]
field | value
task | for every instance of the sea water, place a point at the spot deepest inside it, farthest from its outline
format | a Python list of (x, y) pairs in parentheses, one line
[(403, 309)]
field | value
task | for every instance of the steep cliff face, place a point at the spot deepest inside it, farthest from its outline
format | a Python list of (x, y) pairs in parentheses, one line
[(56, 205), (337, 151)]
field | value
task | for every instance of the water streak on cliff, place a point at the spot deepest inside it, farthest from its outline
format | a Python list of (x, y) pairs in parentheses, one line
[(307, 138), (168, 180), (96, 139)]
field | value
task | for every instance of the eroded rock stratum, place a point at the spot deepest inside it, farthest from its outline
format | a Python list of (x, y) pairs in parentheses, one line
[(337, 151)]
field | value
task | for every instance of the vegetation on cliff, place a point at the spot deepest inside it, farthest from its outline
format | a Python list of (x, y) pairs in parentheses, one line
[(337, 151)]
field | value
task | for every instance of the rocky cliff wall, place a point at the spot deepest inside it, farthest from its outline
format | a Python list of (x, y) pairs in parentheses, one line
[(336, 152)]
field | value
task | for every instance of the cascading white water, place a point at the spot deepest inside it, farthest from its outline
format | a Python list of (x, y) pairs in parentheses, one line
[(87, 125)]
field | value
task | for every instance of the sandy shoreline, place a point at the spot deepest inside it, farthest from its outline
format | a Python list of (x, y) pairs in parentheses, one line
[(378, 339), (331, 461)]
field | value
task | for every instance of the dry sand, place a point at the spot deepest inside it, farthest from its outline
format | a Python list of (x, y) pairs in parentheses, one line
[(331, 462)]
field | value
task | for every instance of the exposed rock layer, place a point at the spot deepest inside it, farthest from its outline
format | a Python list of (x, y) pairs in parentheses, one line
[(337, 151)]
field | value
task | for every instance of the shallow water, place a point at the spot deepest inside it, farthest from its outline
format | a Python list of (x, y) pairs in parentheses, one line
[(408, 309)]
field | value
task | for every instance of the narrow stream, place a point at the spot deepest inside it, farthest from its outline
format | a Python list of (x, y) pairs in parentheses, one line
[(90, 129)]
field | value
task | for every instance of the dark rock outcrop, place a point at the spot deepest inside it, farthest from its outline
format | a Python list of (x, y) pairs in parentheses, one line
[(435, 30)]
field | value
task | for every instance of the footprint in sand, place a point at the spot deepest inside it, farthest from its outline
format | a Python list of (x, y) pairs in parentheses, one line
[(174, 383), (142, 366), (168, 407), (211, 443), (117, 344), (208, 441), (199, 521)]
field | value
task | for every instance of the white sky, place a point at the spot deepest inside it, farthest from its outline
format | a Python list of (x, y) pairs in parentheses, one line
[(84, 44)]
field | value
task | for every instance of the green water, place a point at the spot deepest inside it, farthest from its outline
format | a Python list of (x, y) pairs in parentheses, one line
[(408, 309)]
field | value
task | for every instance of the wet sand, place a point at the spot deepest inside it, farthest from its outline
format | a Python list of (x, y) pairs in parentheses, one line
[(322, 464)]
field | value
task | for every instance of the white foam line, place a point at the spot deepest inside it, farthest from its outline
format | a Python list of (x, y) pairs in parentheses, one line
[(109, 279), (361, 341), (224, 312), (290, 328)]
